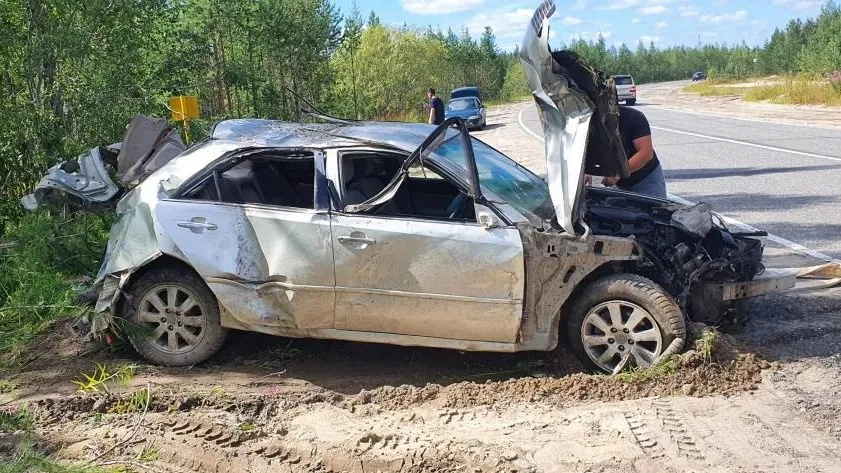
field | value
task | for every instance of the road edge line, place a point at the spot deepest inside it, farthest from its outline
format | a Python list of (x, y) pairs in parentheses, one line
[(746, 143)]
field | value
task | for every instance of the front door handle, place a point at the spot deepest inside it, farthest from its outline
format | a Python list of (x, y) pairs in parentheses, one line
[(357, 239), (197, 225)]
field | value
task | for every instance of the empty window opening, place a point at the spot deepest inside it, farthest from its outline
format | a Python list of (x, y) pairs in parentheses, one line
[(283, 180), (424, 193)]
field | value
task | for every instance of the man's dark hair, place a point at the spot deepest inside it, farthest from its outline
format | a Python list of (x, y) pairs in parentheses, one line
[(432, 91)]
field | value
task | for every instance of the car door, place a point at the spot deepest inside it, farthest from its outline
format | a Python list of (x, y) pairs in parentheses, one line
[(427, 277), (269, 265)]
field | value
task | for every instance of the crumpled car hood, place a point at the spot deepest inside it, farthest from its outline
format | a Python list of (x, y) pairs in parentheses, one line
[(580, 116)]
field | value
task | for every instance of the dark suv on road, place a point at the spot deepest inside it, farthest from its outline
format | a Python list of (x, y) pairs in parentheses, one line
[(700, 75)]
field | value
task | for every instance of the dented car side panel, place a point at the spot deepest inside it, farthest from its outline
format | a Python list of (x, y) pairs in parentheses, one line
[(267, 265), (427, 278)]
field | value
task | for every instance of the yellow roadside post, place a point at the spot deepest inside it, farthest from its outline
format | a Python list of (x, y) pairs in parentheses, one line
[(184, 107)]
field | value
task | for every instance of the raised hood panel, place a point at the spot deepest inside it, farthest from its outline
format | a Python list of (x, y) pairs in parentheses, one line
[(579, 113)]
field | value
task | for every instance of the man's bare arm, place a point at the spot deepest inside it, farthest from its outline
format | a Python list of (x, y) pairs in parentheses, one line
[(431, 115), (644, 154)]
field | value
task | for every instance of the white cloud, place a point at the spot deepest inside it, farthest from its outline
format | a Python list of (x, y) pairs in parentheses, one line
[(799, 4), (657, 5), (649, 39), (439, 7), (590, 36), (734, 17), (690, 13), (506, 24), (635, 20), (621, 4), (661, 24), (579, 5), (570, 20), (652, 10)]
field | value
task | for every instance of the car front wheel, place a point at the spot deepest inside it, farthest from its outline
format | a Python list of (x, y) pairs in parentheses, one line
[(174, 317), (623, 320)]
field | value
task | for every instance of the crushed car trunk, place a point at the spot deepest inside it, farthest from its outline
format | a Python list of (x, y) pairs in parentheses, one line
[(86, 182)]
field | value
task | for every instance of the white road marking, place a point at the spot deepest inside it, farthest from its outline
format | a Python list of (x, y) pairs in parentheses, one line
[(523, 125), (728, 220), (805, 124), (747, 143)]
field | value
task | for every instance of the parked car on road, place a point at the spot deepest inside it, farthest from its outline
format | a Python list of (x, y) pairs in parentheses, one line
[(700, 75), (417, 235), (469, 109), (466, 103), (626, 90)]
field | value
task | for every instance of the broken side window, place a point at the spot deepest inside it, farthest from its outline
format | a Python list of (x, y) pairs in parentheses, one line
[(268, 179), (421, 193)]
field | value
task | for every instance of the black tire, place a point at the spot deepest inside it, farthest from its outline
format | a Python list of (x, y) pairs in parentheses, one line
[(209, 338), (630, 288), (631, 102)]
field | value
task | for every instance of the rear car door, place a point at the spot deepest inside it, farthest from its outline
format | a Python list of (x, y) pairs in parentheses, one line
[(258, 232), (427, 276)]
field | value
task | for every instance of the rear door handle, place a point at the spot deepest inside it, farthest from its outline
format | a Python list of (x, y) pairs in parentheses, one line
[(197, 225), (354, 239)]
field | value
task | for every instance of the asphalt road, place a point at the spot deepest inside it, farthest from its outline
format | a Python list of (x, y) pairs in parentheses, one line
[(784, 179)]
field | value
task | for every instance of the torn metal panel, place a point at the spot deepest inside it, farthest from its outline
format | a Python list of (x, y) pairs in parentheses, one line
[(148, 144), (567, 93), (84, 180), (696, 220), (555, 266)]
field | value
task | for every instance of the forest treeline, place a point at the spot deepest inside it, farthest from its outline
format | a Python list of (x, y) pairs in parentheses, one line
[(74, 73)]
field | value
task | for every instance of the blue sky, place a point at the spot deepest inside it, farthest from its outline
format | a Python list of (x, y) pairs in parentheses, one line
[(665, 22)]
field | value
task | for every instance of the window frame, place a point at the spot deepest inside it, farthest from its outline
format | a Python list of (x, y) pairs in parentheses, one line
[(321, 201)]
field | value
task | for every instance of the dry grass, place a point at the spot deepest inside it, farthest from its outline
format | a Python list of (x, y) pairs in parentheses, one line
[(798, 90)]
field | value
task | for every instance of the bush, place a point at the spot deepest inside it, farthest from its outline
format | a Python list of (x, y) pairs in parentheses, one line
[(44, 258)]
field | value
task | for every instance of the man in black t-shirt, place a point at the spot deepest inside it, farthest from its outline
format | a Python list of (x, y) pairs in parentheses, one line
[(646, 172), (436, 108)]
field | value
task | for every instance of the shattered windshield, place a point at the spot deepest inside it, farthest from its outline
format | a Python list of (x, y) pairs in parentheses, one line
[(512, 183)]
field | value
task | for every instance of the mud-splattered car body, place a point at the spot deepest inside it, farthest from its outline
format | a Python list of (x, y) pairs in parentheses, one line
[(417, 235)]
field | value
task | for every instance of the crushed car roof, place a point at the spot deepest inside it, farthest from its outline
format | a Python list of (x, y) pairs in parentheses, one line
[(274, 133)]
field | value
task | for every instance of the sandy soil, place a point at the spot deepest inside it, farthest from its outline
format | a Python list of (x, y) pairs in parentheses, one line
[(767, 400), (670, 95)]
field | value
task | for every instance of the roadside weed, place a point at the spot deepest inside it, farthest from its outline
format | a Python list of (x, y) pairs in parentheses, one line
[(15, 418), (134, 404), (100, 379), (148, 453)]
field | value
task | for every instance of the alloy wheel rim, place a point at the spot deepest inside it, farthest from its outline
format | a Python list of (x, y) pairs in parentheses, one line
[(614, 330), (175, 316)]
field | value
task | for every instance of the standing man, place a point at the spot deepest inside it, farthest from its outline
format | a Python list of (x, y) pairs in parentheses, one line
[(436, 108), (646, 172)]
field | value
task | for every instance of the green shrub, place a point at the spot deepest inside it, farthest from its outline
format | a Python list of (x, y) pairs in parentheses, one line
[(44, 259)]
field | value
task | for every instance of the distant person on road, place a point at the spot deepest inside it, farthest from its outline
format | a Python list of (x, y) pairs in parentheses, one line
[(646, 172), (436, 108)]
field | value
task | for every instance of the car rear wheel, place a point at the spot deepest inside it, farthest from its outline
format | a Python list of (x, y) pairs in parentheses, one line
[(631, 102), (174, 318), (623, 316)]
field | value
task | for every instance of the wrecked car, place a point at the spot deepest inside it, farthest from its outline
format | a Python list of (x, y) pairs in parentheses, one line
[(416, 235)]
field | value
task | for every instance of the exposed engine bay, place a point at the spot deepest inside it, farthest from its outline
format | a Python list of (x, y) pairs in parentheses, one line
[(683, 248)]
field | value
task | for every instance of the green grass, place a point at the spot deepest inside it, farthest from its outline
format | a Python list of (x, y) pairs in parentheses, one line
[(27, 459), (42, 257), (15, 418), (660, 370), (714, 89)]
